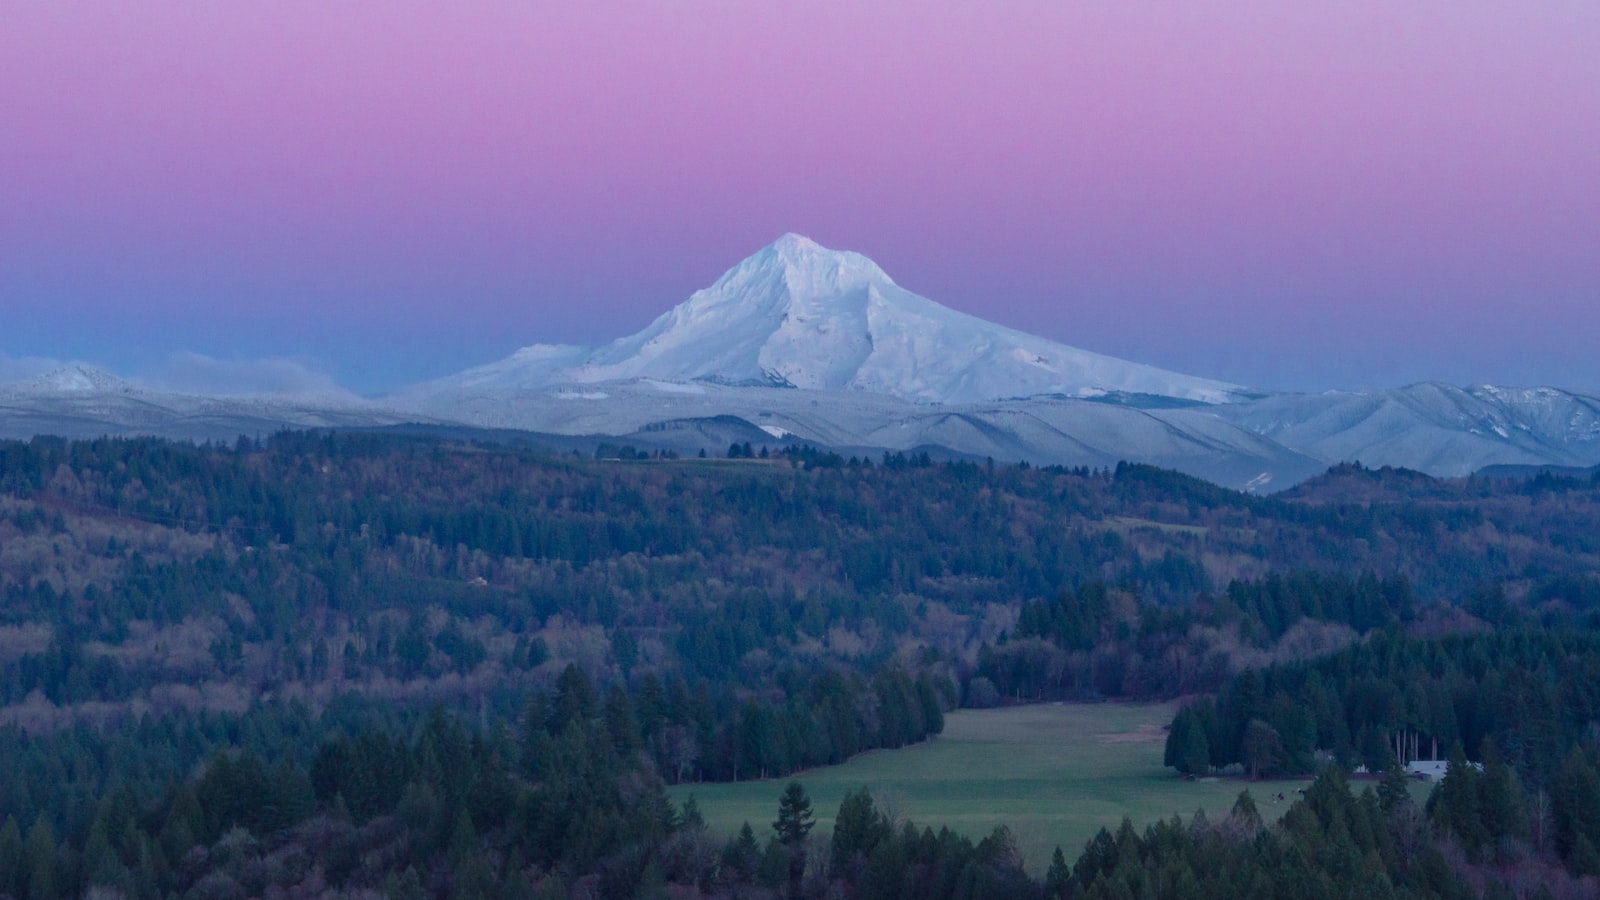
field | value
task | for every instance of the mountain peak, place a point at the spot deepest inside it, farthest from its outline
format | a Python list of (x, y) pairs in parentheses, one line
[(807, 267), (801, 315), (790, 242), (78, 378)]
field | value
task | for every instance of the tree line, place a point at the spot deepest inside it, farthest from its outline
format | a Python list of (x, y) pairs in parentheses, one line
[(1516, 711)]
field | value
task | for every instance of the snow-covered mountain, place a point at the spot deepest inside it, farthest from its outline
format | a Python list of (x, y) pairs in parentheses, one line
[(796, 314), (76, 378), (802, 343), (82, 401), (685, 417), (1435, 428)]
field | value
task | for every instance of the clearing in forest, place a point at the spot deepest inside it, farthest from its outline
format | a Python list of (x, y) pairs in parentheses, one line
[(1053, 773)]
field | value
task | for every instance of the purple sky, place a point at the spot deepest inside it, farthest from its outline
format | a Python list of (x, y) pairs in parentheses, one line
[(1289, 195)]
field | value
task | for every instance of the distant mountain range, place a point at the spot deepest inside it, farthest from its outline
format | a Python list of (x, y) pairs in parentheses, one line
[(799, 343)]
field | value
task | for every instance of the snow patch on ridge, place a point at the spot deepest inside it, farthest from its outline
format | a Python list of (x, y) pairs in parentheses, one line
[(76, 379), (670, 387)]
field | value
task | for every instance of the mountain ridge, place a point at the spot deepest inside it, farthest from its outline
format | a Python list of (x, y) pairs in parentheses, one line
[(802, 343)]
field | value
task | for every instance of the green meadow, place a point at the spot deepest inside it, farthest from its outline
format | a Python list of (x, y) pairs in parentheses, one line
[(1054, 774)]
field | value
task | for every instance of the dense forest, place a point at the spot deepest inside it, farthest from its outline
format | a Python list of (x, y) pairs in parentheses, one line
[(425, 668), (1516, 711)]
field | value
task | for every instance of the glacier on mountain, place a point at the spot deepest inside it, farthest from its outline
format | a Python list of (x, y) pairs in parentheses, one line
[(796, 314)]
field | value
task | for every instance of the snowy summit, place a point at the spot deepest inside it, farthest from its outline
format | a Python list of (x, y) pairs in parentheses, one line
[(76, 378), (797, 314)]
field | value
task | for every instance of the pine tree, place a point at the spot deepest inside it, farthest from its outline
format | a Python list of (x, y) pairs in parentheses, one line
[(574, 701), (1502, 808), (690, 818), (100, 863), (463, 839), (793, 824), (622, 725), (1394, 791), (1059, 877), (794, 815), (886, 866), (1262, 747), (1577, 812), (1457, 805), (41, 850), (1177, 737), (1245, 814), (1195, 756), (856, 830), (408, 886), (1099, 857), (742, 853), (774, 867)]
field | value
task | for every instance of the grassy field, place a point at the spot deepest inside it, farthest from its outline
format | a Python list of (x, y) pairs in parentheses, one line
[(1053, 773), (1128, 523)]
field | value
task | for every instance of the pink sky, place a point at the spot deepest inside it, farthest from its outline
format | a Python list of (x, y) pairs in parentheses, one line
[(1286, 195)]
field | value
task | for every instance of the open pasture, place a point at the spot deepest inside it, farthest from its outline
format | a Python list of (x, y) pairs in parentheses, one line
[(1054, 774)]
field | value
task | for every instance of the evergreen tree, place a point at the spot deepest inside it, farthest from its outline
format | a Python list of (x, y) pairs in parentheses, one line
[(794, 815), (1194, 757), (1058, 878), (100, 863), (574, 700), (1577, 812), (885, 872), (1457, 804), (793, 824), (1245, 814), (1394, 790), (1504, 815), (742, 854), (406, 886), (41, 850), (1262, 747), (857, 829), (774, 867), (689, 817), (1099, 857)]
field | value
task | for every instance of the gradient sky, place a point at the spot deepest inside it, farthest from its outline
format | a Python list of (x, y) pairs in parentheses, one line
[(1288, 195)]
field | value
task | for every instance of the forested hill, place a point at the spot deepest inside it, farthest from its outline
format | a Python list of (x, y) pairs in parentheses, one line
[(309, 566), (594, 627)]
